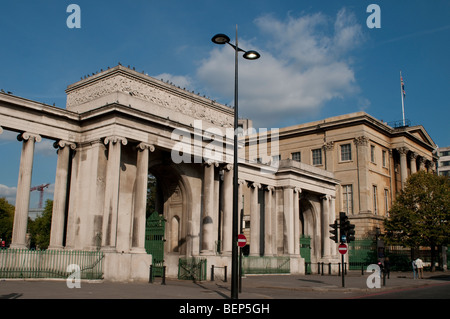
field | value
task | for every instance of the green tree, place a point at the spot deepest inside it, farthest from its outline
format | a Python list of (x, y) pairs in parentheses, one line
[(420, 216), (6, 220), (40, 227)]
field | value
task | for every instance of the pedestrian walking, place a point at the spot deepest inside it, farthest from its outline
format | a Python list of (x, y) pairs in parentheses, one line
[(419, 265), (414, 268)]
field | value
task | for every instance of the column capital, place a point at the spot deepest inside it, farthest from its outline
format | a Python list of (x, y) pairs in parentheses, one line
[(361, 140), (297, 190), (143, 146), (328, 146), (402, 150), (227, 167), (210, 162), (63, 143), (255, 184), (269, 188), (25, 136), (113, 139), (241, 181), (413, 155)]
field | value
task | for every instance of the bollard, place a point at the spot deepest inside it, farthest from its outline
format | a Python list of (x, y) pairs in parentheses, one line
[(150, 277), (339, 269), (212, 272), (225, 279), (164, 276)]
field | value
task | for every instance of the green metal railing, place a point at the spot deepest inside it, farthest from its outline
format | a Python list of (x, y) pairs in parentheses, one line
[(24, 263), (192, 269), (266, 265)]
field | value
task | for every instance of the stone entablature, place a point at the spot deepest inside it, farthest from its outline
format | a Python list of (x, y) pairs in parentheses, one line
[(127, 87)]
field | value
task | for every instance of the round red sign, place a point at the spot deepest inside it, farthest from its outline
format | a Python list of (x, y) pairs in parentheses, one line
[(242, 240), (342, 248)]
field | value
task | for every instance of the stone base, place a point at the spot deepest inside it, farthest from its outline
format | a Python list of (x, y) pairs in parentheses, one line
[(126, 267)]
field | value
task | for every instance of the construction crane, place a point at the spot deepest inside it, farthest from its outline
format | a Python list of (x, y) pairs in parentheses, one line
[(40, 189)]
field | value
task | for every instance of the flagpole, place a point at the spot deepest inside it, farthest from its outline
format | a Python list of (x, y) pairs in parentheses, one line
[(402, 94)]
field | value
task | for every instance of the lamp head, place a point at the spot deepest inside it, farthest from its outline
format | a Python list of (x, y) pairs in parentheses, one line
[(220, 39), (251, 55)]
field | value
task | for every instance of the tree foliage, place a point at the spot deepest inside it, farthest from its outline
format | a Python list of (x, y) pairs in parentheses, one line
[(6, 220), (40, 227), (420, 216)]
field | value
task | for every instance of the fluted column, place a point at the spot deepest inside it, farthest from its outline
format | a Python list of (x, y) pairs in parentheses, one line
[(227, 209), (332, 217), (288, 205), (268, 227), (362, 154), (112, 191), (255, 221), (23, 189), (403, 165), (296, 220), (60, 195), (208, 209), (412, 161), (241, 182), (326, 241), (140, 199)]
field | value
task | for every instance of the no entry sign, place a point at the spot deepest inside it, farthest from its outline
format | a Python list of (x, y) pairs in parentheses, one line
[(242, 240), (342, 249)]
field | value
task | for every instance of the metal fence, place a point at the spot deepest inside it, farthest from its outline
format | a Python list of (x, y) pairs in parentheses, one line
[(24, 263), (192, 269), (265, 265)]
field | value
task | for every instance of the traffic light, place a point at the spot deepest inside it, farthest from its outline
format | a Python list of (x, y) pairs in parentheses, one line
[(346, 228), (350, 232), (334, 231)]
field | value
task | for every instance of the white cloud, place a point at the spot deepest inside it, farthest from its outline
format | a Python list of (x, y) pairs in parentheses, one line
[(9, 193), (304, 64)]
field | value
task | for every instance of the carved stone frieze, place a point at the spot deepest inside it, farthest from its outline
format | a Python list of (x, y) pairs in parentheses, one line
[(174, 100)]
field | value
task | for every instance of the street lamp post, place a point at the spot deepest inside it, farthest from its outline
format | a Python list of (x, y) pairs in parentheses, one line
[(250, 55)]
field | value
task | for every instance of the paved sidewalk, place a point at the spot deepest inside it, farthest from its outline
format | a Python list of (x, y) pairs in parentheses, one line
[(253, 287)]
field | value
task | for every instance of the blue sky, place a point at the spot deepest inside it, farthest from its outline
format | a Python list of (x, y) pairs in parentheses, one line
[(318, 59)]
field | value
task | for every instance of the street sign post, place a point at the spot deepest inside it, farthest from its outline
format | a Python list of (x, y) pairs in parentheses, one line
[(242, 240), (342, 249)]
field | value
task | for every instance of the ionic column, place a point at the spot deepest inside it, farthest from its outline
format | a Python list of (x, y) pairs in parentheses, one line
[(422, 162), (23, 189), (208, 209), (296, 220), (332, 217), (325, 224), (268, 227), (112, 191), (362, 154), (255, 221), (60, 195), (329, 159), (227, 209), (403, 165), (240, 200), (412, 161), (288, 205), (140, 199)]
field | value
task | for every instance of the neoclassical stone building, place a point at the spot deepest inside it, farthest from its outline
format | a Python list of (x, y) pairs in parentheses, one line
[(120, 126), (369, 158)]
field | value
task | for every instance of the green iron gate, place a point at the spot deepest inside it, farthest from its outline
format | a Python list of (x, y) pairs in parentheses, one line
[(154, 242), (305, 251)]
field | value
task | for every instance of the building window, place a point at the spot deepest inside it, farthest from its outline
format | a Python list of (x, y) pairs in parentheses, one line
[(445, 163), (347, 194), (375, 200), (346, 152), (384, 158), (297, 156), (445, 153), (386, 201), (317, 156), (372, 153)]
